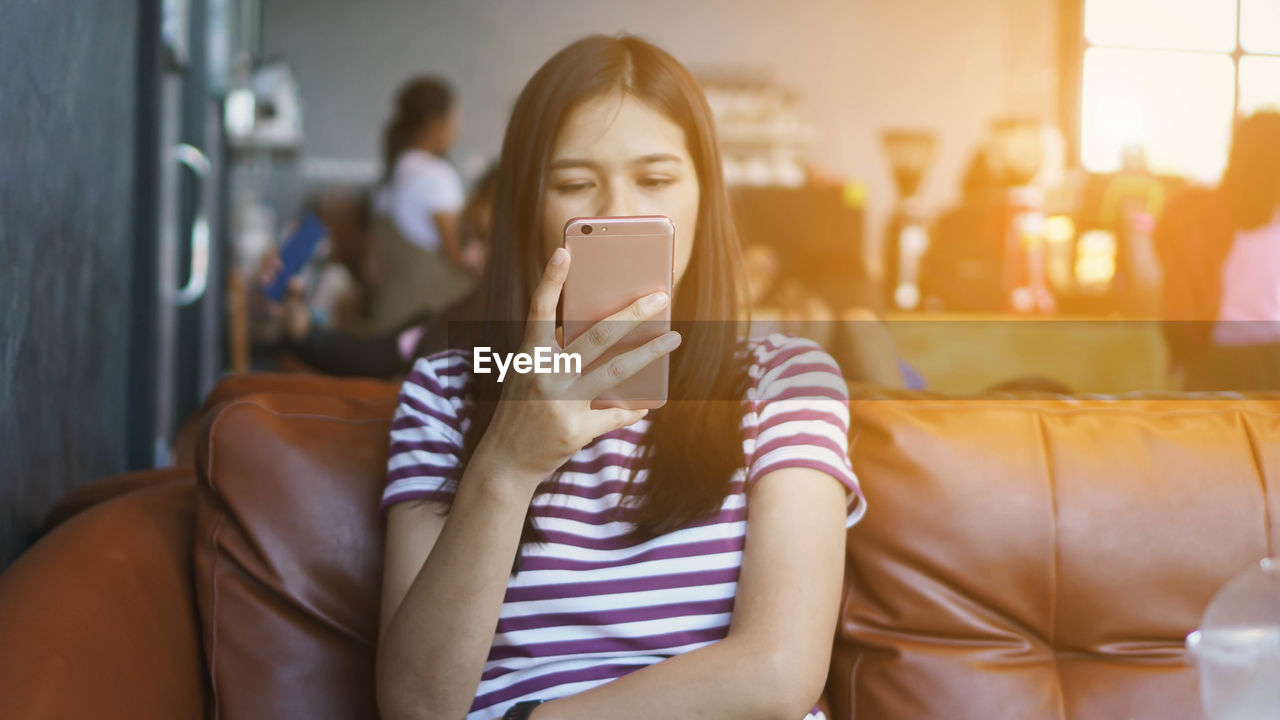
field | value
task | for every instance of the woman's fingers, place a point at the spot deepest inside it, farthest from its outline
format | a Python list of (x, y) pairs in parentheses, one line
[(625, 365), (602, 336), (542, 310)]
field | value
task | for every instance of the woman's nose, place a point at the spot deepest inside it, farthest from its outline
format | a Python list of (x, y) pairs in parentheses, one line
[(619, 202)]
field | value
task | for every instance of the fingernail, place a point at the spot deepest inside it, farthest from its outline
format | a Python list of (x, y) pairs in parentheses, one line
[(557, 257), (671, 340), (656, 301)]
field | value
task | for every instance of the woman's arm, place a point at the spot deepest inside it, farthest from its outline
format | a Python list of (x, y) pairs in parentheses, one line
[(867, 352), (447, 225), (773, 664), (442, 595)]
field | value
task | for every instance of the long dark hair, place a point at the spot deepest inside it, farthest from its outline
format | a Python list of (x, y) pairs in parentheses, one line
[(1252, 178), (693, 445), (420, 101)]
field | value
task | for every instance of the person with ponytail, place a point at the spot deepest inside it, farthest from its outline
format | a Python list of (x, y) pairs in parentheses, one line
[(549, 559), (418, 263)]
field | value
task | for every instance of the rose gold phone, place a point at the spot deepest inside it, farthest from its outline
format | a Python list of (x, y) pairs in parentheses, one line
[(615, 261)]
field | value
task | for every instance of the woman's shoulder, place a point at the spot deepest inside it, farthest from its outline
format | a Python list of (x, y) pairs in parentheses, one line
[(782, 366), (771, 352), (446, 374), (417, 163)]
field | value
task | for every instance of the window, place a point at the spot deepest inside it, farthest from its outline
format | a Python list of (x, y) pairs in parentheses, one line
[(1168, 77)]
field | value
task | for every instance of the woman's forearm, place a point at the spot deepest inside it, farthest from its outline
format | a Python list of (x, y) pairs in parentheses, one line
[(727, 679), (434, 649), (450, 241)]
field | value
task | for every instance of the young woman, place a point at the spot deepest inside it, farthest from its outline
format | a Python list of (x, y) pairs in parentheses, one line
[(614, 563)]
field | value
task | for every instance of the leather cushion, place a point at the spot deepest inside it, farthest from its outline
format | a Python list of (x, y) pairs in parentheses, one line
[(238, 385), (98, 618), (288, 553), (1045, 558)]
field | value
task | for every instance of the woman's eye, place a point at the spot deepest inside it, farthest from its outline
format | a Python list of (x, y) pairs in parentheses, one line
[(573, 187), (655, 182)]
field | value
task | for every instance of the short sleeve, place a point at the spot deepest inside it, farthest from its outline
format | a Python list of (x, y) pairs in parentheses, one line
[(436, 187), (427, 433), (424, 186), (801, 407)]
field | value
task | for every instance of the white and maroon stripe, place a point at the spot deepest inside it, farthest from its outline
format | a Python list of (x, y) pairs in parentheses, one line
[(591, 603)]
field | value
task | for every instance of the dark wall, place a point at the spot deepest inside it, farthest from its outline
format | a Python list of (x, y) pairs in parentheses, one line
[(67, 154)]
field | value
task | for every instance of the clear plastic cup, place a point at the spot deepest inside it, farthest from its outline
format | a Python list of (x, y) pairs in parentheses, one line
[(1237, 648)]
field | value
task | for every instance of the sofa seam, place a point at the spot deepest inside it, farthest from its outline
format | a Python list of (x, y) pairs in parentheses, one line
[(252, 402), (1255, 453), (315, 416), (853, 684), (213, 581), (213, 622), (1053, 565)]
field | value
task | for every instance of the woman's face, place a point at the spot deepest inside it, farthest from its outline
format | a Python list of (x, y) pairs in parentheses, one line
[(616, 155)]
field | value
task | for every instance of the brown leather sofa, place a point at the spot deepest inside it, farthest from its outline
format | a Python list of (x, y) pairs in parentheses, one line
[(1021, 558)]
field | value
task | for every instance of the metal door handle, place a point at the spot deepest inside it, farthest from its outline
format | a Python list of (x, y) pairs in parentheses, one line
[(199, 276)]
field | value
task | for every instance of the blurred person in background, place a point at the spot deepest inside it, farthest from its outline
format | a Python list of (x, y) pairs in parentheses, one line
[(417, 261), (388, 354), (781, 303), (338, 294), (1220, 252), (331, 282), (963, 268), (855, 336)]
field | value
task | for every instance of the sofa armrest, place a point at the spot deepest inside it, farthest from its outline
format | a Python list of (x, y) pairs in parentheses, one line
[(99, 617), (98, 491)]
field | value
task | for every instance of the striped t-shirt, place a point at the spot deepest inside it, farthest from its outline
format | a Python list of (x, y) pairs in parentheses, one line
[(590, 604)]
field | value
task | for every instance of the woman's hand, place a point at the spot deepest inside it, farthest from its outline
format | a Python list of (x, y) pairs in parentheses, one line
[(291, 312), (473, 258), (542, 420)]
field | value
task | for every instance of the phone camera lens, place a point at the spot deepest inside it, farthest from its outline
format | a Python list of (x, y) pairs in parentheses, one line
[(586, 229)]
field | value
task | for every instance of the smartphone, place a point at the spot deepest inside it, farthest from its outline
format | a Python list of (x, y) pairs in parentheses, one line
[(615, 261), (296, 250)]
